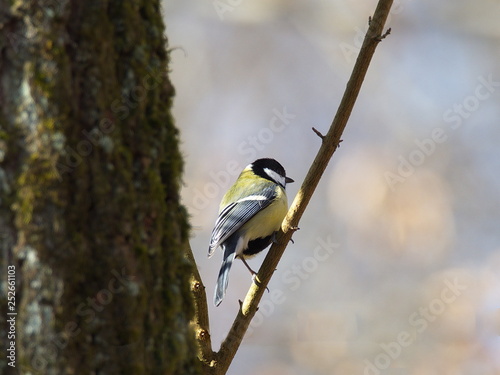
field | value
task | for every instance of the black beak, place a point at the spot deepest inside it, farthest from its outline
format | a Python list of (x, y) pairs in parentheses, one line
[(288, 180)]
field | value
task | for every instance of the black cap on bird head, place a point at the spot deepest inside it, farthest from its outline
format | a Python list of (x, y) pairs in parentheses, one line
[(271, 170)]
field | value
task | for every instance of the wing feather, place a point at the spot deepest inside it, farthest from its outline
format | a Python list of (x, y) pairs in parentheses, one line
[(236, 214)]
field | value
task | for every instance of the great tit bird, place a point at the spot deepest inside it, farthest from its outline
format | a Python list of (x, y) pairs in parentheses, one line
[(250, 214)]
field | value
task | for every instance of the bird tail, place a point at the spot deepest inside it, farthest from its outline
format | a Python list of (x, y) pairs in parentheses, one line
[(229, 248)]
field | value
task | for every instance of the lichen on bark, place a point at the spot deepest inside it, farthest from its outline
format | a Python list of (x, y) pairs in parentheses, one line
[(89, 183)]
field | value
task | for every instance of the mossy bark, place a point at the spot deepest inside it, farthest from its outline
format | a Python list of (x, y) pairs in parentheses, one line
[(89, 191)]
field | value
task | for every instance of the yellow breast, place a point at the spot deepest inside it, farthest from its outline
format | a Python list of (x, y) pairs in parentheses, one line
[(269, 220)]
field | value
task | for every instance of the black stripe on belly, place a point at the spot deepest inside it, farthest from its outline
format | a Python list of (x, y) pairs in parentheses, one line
[(257, 245)]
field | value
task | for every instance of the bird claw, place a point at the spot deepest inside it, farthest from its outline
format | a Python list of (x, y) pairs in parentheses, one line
[(293, 229), (257, 282), (273, 238)]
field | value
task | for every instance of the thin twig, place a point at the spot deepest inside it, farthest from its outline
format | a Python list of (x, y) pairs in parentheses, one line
[(318, 133), (330, 143), (383, 36)]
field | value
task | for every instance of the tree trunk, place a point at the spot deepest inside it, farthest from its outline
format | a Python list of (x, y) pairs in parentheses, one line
[(90, 219)]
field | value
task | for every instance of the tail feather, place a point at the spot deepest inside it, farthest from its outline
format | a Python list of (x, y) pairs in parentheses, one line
[(223, 279)]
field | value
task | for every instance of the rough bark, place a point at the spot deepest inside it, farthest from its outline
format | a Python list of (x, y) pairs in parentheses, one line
[(89, 180)]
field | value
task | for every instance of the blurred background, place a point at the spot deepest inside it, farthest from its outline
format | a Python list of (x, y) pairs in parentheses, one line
[(396, 267)]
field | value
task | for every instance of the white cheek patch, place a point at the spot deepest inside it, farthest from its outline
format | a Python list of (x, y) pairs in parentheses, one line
[(275, 176)]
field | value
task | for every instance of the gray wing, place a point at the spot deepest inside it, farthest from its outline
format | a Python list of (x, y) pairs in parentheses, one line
[(234, 215)]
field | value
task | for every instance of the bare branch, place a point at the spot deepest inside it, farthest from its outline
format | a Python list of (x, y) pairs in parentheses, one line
[(201, 322), (330, 142)]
